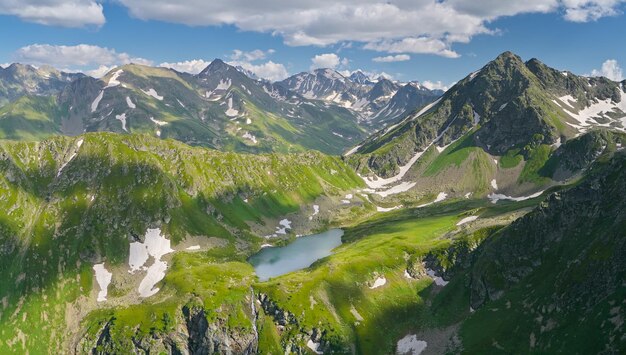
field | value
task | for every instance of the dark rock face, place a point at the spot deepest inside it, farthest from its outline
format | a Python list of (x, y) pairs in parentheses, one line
[(511, 104), (577, 236), (205, 338), (194, 335)]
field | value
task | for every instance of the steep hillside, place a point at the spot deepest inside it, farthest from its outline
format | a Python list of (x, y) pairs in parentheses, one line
[(377, 103), (18, 80), (77, 213), (220, 108), (556, 276), (495, 131)]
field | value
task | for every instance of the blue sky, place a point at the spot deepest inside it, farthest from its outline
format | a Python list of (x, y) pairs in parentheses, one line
[(426, 40)]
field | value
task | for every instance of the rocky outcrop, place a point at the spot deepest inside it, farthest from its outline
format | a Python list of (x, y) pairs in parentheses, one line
[(193, 335), (578, 233)]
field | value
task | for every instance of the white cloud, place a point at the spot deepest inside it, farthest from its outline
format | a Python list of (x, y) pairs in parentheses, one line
[(392, 58), (328, 60), (270, 71), (382, 26), (251, 56), (585, 11), (65, 13), (436, 85), (82, 55), (193, 66), (610, 69), (420, 45), (100, 71)]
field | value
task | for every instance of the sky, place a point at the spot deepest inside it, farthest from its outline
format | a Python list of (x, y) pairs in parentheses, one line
[(437, 42)]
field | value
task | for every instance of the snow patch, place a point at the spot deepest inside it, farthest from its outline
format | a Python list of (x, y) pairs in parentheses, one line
[(113, 80), (103, 277), (313, 346), (130, 103), (467, 220), (223, 84), (231, 112), (410, 345), (439, 281), (79, 143), (249, 136), (283, 225), (122, 118), (381, 281), (497, 197), (387, 209), (153, 93), (494, 184), (96, 101), (193, 247), (440, 197), (157, 122), (352, 151), (154, 245), (401, 187)]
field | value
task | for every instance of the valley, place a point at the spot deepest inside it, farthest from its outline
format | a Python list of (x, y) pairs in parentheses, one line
[(154, 211)]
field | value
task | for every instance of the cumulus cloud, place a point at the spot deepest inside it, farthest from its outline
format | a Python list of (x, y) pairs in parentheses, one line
[(251, 56), (328, 60), (249, 60), (82, 55), (610, 69), (193, 66), (269, 70), (325, 22), (436, 85), (65, 13), (392, 58), (585, 11)]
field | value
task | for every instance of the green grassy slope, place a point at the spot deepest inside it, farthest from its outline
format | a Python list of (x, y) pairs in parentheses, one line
[(67, 206)]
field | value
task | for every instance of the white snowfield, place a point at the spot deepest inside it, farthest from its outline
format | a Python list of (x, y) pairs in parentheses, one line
[(283, 225), (378, 183), (401, 187), (231, 112), (387, 209), (122, 118), (96, 101), (193, 247), (130, 103), (79, 143), (249, 136), (223, 85), (440, 197), (313, 346), (497, 197), (352, 151), (600, 108), (103, 277), (154, 245), (494, 184), (381, 281), (113, 80), (316, 211), (439, 281), (467, 220), (157, 122), (410, 345), (151, 92)]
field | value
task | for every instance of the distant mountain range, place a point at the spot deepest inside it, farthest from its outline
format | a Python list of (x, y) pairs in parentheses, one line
[(222, 107)]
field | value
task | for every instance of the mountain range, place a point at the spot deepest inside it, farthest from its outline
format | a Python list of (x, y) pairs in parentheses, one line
[(222, 107), (486, 219)]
